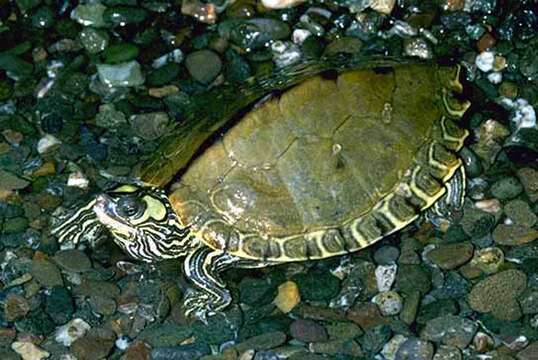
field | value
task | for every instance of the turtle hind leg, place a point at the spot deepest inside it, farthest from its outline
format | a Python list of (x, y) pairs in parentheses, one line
[(449, 207)]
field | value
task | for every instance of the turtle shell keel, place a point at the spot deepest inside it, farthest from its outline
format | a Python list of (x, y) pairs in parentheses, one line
[(329, 167)]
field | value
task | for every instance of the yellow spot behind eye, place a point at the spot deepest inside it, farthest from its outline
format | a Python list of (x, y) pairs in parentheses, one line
[(155, 208)]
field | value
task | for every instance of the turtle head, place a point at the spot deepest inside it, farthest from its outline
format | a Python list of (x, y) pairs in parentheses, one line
[(140, 219)]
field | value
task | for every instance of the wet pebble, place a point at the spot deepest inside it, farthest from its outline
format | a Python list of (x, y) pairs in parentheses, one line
[(15, 307), (488, 260), (308, 331), (414, 349), (519, 212), (73, 330), (389, 303), (94, 345), (506, 188), (150, 126), (514, 234), (288, 296), (162, 335), (183, 352), (529, 179), (59, 305), (450, 256), (266, 341), (46, 273), (93, 40), (29, 351), (309, 285), (203, 65), (484, 61), (497, 295), (385, 276), (337, 347), (72, 260), (445, 352), (386, 255), (126, 74), (450, 330), (281, 4)]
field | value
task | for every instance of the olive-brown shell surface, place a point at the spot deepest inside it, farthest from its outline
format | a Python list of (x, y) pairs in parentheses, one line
[(328, 167)]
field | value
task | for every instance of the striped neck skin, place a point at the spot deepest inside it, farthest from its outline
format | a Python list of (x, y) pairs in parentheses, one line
[(143, 223)]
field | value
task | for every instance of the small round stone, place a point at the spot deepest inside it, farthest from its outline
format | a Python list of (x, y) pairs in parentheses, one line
[(450, 256), (386, 255), (203, 65), (389, 303)]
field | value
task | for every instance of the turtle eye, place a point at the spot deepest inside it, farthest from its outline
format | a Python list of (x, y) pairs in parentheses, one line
[(130, 206)]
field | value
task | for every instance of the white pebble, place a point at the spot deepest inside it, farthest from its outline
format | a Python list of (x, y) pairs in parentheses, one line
[(391, 348), (68, 333), (484, 61), (122, 343), (385, 276), (300, 35), (495, 77), (77, 179), (281, 4), (524, 115), (46, 143), (389, 303), (492, 206)]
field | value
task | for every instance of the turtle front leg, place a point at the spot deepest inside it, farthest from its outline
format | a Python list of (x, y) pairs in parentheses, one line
[(202, 267)]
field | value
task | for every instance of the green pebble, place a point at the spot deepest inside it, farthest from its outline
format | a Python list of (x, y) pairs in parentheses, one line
[(520, 213), (25, 5), (203, 65), (256, 291), (121, 15), (343, 330), (118, 53), (43, 18), (37, 323), (59, 305), (158, 335), (317, 285), (435, 309), (506, 188), (15, 225), (412, 278), (164, 74), (15, 65), (6, 89)]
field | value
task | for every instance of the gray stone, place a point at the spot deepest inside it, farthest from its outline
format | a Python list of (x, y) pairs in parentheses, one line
[(445, 352), (73, 260), (520, 213), (203, 65), (46, 273), (10, 182), (414, 349), (262, 342), (164, 335), (150, 126), (506, 188), (514, 235), (450, 330), (308, 331), (450, 256)]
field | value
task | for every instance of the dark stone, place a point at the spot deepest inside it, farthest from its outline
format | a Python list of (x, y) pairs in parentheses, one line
[(165, 335), (59, 305), (36, 323), (183, 352), (308, 331), (310, 289)]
